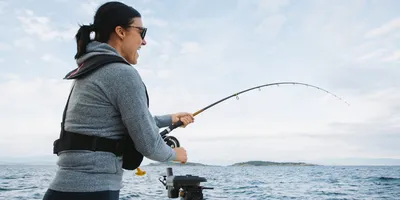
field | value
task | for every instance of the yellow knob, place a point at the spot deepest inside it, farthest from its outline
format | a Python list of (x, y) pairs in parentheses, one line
[(140, 172)]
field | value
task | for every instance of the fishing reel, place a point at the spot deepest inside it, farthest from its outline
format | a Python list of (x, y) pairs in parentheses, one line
[(171, 141), (187, 187)]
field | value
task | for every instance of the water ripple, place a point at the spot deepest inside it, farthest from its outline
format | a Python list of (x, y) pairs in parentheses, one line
[(306, 182)]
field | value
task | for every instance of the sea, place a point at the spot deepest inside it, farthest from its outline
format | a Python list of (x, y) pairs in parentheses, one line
[(229, 182)]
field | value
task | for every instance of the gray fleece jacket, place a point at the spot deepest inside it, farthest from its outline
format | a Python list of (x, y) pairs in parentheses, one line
[(105, 103)]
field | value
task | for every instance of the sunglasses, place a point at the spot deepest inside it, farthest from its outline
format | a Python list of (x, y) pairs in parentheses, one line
[(143, 31)]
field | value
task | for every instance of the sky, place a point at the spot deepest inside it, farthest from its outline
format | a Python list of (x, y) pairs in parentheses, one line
[(199, 52)]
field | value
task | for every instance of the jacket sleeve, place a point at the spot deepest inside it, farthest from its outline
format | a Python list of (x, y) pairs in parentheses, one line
[(163, 120), (127, 93)]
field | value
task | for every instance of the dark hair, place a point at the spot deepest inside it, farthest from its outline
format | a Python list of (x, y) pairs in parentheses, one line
[(107, 17)]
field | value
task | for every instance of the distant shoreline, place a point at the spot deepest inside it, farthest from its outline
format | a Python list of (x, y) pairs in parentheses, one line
[(269, 163), (248, 163), (51, 161)]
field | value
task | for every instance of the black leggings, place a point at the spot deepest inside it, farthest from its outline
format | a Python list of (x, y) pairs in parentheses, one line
[(102, 195)]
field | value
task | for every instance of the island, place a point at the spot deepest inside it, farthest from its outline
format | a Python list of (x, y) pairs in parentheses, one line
[(176, 164), (269, 163)]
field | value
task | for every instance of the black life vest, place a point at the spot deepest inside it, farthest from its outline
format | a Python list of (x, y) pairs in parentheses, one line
[(74, 141)]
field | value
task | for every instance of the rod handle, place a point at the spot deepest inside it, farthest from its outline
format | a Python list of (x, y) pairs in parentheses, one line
[(171, 127)]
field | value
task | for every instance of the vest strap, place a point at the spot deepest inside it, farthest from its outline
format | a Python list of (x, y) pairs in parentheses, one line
[(76, 141)]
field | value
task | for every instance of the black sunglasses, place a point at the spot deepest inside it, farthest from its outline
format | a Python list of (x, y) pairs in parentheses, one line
[(142, 29)]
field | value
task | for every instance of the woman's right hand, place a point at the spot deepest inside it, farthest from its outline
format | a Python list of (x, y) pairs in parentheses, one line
[(181, 155)]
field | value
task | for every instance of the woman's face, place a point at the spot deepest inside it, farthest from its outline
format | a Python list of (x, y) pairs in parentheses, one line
[(133, 40)]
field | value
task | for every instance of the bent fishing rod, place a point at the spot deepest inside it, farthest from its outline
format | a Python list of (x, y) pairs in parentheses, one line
[(173, 142)]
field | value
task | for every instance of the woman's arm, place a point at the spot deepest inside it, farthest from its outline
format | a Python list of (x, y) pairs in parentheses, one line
[(163, 120), (127, 93)]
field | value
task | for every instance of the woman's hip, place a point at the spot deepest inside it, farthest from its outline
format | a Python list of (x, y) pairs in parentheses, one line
[(99, 195)]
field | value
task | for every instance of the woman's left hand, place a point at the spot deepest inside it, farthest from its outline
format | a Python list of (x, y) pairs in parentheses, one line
[(185, 117)]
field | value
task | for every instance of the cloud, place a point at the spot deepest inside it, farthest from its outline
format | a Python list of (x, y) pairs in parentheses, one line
[(385, 29), (271, 6), (263, 7), (4, 47), (381, 43), (271, 26), (190, 47), (3, 6), (268, 14), (34, 108), (152, 21), (369, 139), (372, 55), (43, 28), (90, 7), (393, 57), (343, 60), (382, 55), (53, 60), (25, 43), (148, 1)]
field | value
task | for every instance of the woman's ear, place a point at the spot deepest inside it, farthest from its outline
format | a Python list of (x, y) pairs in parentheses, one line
[(120, 32)]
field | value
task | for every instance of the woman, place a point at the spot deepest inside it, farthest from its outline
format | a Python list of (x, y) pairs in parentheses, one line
[(107, 103)]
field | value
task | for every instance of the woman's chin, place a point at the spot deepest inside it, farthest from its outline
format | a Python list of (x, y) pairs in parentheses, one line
[(133, 60)]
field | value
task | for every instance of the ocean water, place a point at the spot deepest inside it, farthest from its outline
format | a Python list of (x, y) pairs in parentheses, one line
[(300, 182)]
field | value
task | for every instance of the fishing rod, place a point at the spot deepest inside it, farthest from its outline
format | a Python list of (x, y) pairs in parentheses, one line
[(173, 142)]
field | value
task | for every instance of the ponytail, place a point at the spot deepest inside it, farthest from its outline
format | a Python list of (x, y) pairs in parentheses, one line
[(83, 39)]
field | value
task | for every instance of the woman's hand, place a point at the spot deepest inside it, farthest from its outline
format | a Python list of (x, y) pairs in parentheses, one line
[(185, 117), (181, 155)]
